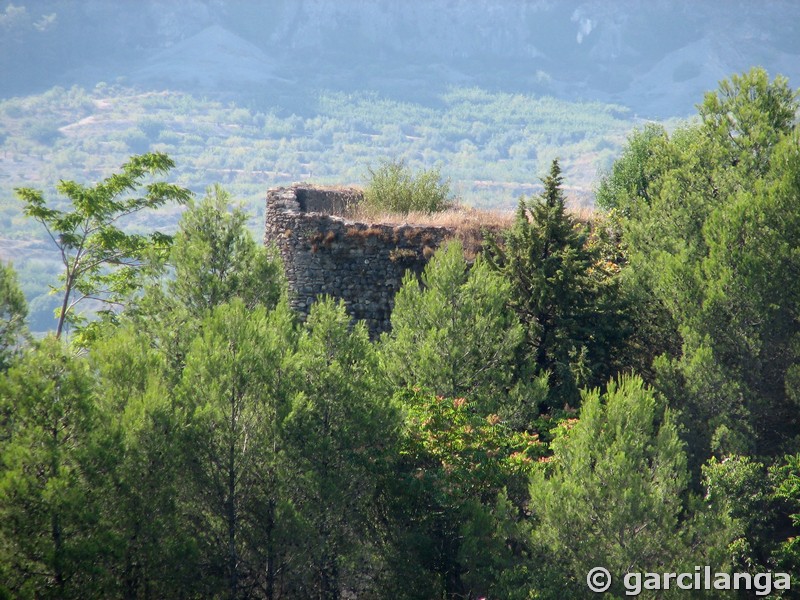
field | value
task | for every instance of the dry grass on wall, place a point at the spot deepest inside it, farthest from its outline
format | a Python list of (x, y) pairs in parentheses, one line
[(468, 224)]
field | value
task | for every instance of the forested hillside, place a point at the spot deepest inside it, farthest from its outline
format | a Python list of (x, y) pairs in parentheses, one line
[(619, 394), (487, 144), (257, 96)]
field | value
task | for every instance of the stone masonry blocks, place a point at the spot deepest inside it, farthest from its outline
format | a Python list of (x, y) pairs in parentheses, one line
[(324, 253)]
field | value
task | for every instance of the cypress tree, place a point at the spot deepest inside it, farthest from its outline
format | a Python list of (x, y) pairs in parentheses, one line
[(560, 291)]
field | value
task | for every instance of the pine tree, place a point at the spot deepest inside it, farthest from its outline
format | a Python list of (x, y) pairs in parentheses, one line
[(713, 260), (341, 431), (49, 540), (213, 260), (455, 335), (613, 492), (216, 258), (13, 310), (235, 395), (561, 293), (143, 483)]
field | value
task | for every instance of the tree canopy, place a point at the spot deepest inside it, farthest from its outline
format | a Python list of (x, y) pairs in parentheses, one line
[(620, 392), (100, 259), (13, 310)]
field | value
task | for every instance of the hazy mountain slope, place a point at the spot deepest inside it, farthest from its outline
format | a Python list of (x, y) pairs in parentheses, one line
[(652, 56), (212, 58)]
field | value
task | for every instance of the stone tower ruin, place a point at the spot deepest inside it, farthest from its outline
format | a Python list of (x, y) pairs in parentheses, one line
[(325, 253)]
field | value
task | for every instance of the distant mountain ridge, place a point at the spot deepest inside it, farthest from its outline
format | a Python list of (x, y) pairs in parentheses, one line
[(212, 58), (657, 57)]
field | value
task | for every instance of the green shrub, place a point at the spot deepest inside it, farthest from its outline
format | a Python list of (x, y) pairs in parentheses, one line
[(136, 140), (393, 187), (45, 131), (151, 127)]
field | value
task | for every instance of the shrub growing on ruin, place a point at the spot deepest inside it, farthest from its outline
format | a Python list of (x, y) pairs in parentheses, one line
[(393, 187)]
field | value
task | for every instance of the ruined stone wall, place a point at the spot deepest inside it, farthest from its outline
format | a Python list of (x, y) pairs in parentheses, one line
[(361, 263)]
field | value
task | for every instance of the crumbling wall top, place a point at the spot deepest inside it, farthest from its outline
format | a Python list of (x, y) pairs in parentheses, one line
[(305, 198), (326, 253)]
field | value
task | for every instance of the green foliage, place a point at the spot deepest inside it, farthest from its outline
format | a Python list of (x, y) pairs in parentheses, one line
[(748, 116), (393, 187), (463, 453), (341, 430), (463, 474), (216, 259), (208, 446), (13, 311), (152, 545), (234, 393), (737, 488), (612, 493), (50, 540), (454, 336), (100, 260), (713, 265), (487, 144), (564, 295), (630, 177), (785, 479), (213, 261)]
